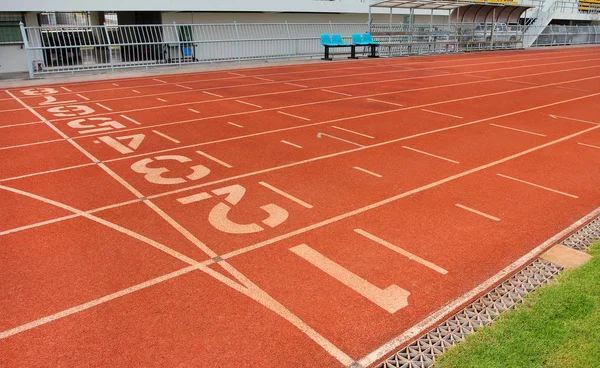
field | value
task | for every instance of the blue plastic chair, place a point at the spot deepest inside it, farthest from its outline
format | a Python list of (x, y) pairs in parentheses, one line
[(357, 39), (326, 40), (367, 39), (338, 41)]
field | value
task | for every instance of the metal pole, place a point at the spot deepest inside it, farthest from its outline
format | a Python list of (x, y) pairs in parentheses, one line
[(110, 56), (27, 50), (237, 34), (391, 18), (178, 41), (410, 24), (492, 34), (370, 20), (289, 36)]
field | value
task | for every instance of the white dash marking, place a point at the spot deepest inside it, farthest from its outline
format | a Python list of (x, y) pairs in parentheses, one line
[(335, 92), (352, 131), (186, 87), (431, 154), (294, 116), (367, 171), (212, 94), (166, 136), (385, 102), (136, 91), (159, 80), (538, 186), (478, 212), (82, 96), (130, 119), (518, 130), (296, 85), (162, 100), (104, 107), (235, 125), (290, 143), (589, 145), (214, 159), (442, 113), (194, 111), (523, 82), (114, 84), (237, 74), (248, 103), (401, 251), (264, 79), (66, 89), (287, 195)]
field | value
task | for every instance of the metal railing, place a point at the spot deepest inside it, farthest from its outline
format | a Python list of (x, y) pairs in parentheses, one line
[(555, 35), (57, 49)]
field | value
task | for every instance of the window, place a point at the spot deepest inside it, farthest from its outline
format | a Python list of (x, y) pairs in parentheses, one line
[(10, 33), (64, 19)]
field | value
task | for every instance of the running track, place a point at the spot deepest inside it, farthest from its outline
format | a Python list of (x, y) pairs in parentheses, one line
[(310, 215)]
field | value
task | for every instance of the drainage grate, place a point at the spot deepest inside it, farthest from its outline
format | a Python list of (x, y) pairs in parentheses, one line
[(422, 352), (584, 237)]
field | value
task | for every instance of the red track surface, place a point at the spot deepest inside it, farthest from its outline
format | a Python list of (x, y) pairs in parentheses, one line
[(372, 194)]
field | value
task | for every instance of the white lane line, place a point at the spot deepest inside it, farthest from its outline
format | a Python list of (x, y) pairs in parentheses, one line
[(588, 145), (66, 89), (385, 102), (214, 159), (46, 172), (477, 212), (130, 119), (136, 91), (248, 103), (522, 82), (264, 79), (290, 143), (287, 195), (95, 302), (186, 87), (294, 116), (235, 125), (538, 186), (166, 136), (335, 92), (236, 74), (159, 80), (319, 135), (575, 89), (82, 96), (104, 107), (518, 130), (401, 251), (20, 124), (352, 131), (161, 99), (438, 316), (430, 154), (194, 111), (367, 171), (296, 85), (212, 94), (478, 76), (573, 119), (31, 144), (442, 113), (114, 84)]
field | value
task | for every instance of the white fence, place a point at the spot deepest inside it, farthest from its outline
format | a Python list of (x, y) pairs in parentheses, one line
[(71, 49)]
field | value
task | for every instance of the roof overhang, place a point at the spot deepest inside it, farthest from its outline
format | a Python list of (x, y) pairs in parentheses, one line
[(485, 13), (418, 4)]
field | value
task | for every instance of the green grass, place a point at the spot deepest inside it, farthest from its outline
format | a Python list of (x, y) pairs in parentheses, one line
[(556, 326)]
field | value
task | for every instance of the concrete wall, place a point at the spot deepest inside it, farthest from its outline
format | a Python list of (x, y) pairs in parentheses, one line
[(12, 59)]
